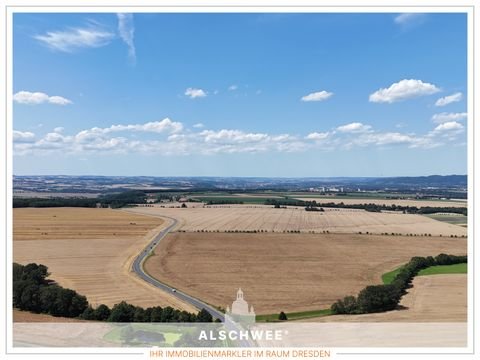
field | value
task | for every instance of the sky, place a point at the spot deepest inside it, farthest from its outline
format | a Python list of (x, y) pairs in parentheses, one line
[(276, 95)]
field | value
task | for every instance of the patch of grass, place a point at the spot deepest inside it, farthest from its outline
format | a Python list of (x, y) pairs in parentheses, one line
[(445, 269), (451, 219), (388, 277), (294, 315), (243, 199)]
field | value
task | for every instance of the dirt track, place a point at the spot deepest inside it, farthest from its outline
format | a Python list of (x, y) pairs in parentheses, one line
[(285, 272), (90, 251)]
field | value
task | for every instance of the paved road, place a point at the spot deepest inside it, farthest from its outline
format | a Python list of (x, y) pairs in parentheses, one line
[(138, 268)]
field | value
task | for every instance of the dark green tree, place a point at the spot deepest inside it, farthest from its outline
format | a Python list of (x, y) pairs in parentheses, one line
[(204, 316), (102, 312)]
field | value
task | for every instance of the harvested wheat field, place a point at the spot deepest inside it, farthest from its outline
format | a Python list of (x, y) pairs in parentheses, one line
[(433, 298), (251, 218), (90, 251), (20, 316), (285, 272), (387, 202)]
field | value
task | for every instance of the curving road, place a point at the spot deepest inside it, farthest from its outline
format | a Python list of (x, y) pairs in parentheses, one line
[(138, 269)]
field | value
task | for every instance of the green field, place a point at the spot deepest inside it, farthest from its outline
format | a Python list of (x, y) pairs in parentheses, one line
[(244, 199), (451, 219), (388, 277), (445, 269), (295, 315)]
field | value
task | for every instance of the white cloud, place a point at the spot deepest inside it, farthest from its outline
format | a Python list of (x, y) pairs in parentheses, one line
[(317, 96), (73, 39), (165, 125), (408, 18), (23, 136), (33, 98), (449, 99), (387, 138), (354, 127), (171, 138), (58, 100), (235, 136), (198, 126), (58, 129), (317, 136), (402, 90), (446, 117), (193, 93), (233, 87), (126, 29), (449, 127)]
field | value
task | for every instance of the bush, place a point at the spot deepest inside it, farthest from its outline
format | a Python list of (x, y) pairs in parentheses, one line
[(378, 298), (346, 306)]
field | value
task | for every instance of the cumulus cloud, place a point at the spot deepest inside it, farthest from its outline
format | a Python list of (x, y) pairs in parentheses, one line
[(23, 136), (387, 138), (164, 126), (317, 136), (446, 117), (449, 99), (235, 136), (402, 90), (34, 98), (354, 127), (193, 93), (317, 96), (233, 87), (126, 31), (198, 126), (167, 137), (451, 126), (74, 39)]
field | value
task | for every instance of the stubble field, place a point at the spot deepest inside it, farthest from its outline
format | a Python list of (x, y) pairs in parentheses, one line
[(285, 272), (266, 218), (90, 251), (433, 298)]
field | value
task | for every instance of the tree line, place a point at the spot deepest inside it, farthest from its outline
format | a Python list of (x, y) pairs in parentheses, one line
[(309, 205), (110, 200), (379, 298), (314, 206), (224, 202), (33, 292)]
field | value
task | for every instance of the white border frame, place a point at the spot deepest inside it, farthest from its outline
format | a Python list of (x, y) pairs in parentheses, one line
[(247, 6)]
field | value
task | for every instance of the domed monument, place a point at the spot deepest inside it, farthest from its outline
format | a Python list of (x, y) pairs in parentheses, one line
[(240, 312)]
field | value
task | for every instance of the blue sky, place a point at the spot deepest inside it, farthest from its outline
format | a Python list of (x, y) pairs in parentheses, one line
[(240, 94)]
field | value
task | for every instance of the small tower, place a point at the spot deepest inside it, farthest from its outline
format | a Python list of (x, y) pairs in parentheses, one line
[(240, 311)]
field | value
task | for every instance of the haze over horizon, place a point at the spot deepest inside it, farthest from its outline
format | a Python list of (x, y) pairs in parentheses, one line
[(240, 95), (245, 177)]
